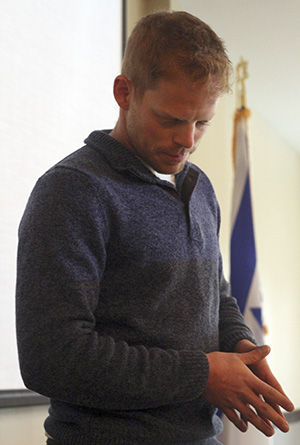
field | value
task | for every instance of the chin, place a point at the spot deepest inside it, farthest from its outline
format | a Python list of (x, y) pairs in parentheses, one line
[(174, 170)]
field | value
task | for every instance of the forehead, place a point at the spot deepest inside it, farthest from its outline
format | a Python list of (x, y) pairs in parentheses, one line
[(182, 97)]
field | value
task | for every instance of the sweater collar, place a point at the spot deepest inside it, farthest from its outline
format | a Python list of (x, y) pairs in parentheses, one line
[(122, 159)]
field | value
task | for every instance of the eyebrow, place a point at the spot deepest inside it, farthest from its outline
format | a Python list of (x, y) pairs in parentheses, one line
[(165, 115)]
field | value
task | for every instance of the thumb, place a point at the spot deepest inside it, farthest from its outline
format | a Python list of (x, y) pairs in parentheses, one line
[(256, 355)]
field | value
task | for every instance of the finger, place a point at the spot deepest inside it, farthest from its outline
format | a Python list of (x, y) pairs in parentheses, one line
[(272, 396), (267, 413), (245, 421), (259, 422), (264, 418), (256, 355), (272, 381), (276, 408), (265, 374), (262, 370), (236, 420)]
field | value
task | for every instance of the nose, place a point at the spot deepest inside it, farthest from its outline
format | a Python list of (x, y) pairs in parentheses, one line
[(185, 136)]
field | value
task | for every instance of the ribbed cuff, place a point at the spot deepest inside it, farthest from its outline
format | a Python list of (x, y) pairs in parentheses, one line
[(229, 343), (194, 375)]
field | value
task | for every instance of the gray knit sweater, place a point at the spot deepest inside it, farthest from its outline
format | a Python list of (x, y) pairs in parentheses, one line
[(120, 295)]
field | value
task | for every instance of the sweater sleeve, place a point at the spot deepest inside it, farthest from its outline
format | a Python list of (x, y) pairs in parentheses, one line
[(232, 326), (61, 259)]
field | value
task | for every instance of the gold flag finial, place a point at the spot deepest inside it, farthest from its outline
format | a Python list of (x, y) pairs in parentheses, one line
[(242, 111), (242, 75)]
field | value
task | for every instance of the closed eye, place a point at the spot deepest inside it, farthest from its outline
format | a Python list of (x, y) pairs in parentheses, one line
[(170, 122), (201, 124)]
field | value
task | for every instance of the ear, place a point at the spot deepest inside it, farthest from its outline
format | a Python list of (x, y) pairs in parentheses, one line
[(123, 90)]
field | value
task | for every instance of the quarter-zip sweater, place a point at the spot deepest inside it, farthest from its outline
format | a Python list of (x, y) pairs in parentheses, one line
[(120, 296)]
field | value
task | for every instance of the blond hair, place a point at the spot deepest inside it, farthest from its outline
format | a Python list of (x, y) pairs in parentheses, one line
[(164, 42)]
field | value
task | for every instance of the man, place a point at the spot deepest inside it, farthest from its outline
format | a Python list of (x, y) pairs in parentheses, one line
[(124, 318)]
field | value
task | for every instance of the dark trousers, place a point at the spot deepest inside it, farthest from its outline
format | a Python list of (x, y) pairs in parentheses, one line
[(52, 442)]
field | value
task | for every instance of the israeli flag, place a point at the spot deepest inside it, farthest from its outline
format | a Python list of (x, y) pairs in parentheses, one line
[(243, 271)]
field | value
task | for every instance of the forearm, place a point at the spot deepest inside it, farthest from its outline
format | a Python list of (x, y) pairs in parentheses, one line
[(87, 369), (232, 326), (66, 354), (244, 345)]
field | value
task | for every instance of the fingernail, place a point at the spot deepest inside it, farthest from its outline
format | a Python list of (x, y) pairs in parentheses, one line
[(244, 426), (271, 430)]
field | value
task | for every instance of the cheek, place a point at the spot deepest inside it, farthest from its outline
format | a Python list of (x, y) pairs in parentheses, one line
[(194, 148), (198, 138), (154, 134), (201, 133)]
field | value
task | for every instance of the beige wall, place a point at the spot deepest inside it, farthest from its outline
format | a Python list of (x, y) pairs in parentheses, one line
[(135, 9), (276, 186)]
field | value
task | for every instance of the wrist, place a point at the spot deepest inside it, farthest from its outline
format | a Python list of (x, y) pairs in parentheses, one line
[(244, 346)]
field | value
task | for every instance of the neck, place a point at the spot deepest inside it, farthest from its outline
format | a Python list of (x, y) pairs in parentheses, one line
[(119, 132)]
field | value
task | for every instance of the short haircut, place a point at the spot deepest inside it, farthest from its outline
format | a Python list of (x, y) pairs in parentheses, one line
[(164, 42)]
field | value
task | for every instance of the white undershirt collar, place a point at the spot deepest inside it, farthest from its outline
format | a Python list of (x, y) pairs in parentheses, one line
[(162, 176)]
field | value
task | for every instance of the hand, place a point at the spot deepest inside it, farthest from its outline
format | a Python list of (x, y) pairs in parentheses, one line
[(254, 393), (262, 370)]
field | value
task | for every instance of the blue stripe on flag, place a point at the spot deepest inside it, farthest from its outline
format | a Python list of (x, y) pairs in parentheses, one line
[(243, 256), (257, 312)]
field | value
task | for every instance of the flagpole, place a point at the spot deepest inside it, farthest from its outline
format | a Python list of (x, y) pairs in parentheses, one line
[(242, 75), (241, 110)]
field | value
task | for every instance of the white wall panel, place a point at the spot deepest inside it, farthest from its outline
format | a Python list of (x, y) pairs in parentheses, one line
[(58, 59)]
